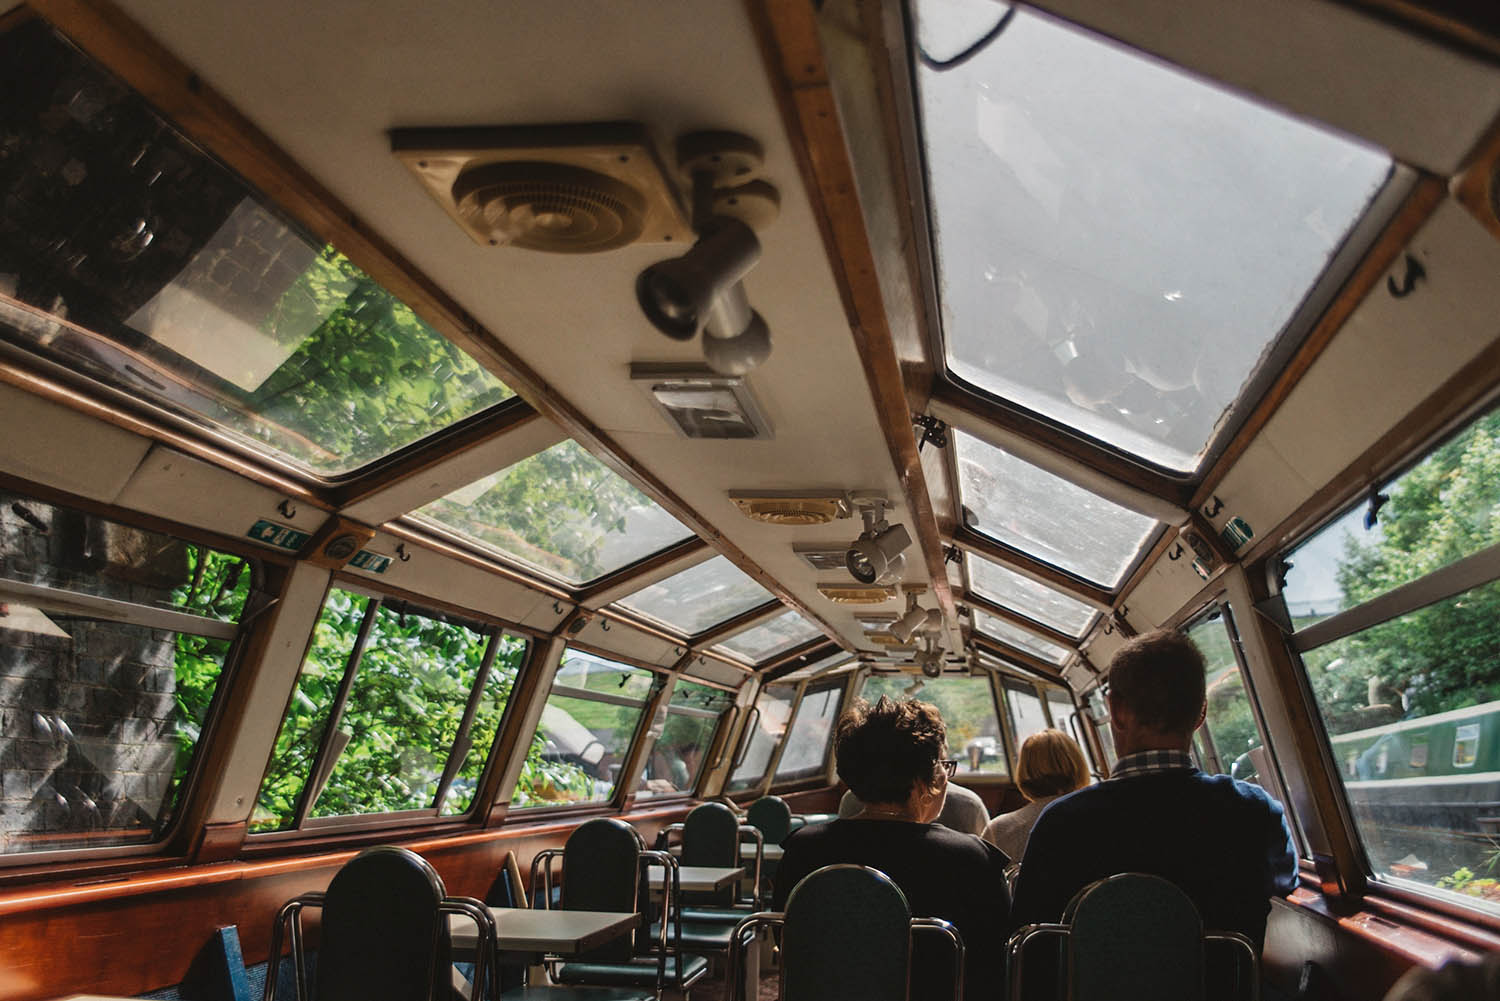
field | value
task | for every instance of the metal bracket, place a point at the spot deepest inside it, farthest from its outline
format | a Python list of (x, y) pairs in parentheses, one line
[(933, 431)]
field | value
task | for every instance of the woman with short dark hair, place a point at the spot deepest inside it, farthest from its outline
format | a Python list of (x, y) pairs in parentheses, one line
[(893, 755)]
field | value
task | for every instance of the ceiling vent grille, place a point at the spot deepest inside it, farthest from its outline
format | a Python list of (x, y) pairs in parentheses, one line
[(790, 508), (855, 594), (566, 189)]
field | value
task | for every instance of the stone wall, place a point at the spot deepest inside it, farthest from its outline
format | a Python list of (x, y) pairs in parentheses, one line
[(88, 718)]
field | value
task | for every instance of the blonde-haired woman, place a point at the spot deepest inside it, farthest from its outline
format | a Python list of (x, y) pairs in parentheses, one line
[(1051, 765)]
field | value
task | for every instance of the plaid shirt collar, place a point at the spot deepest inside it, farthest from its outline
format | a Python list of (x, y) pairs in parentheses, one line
[(1150, 762)]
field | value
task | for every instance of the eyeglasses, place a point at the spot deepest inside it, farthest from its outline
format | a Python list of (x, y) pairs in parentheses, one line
[(949, 765)]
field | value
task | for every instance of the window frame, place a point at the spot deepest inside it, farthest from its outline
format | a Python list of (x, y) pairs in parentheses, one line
[(810, 686), (724, 716), (305, 825)]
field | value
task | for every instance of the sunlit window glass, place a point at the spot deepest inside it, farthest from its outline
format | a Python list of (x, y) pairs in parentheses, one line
[(1128, 319), (783, 633), (807, 745), (679, 754), (1020, 593), (1026, 713), (562, 512), (1233, 737), (699, 597), (130, 257), (1046, 516), (763, 732), (1021, 639), (1443, 509), (103, 712), (967, 706), (586, 729)]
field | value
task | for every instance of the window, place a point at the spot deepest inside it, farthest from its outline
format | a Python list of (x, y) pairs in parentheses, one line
[(677, 758), (807, 744), (113, 640), (401, 722), (967, 706), (1229, 723), (140, 263), (1026, 713), (1045, 516), (1096, 710), (787, 631), (1408, 686), (1020, 593), (1019, 638), (1060, 707), (763, 732), (562, 512), (1127, 320), (587, 727), (699, 597)]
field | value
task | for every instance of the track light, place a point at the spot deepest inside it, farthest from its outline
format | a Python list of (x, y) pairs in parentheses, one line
[(916, 619), (876, 556), (914, 687), (930, 657), (702, 290)]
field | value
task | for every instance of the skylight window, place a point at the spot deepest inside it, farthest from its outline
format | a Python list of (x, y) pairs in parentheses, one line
[(1045, 516), (1019, 638), (130, 258), (1119, 244), (699, 597), (1022, 594), (785, 632), (562, 512)]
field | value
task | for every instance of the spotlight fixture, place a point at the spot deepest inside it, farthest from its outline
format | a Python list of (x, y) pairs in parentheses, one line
[(702, 290), (930, 657), (916, 619), (914, 687), (876, 556)]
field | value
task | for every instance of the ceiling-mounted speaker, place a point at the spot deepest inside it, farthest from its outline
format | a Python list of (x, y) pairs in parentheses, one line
[(564, 189)]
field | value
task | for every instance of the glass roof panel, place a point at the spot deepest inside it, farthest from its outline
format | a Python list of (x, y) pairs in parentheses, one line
[(562, 512), (787, 630), (1019, 638), (133, 259), (1045, 516), (1119, 243), (699, 597), (1020, 593), (600, 674)]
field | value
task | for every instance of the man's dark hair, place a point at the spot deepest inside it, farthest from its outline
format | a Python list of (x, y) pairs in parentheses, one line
[(884, 749), (1158, 676)]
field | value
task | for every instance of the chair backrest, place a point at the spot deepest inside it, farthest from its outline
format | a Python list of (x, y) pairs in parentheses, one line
[(383, 936), (846, 937), (711, 836), (602, 872), (773, 817), (1134, 936)]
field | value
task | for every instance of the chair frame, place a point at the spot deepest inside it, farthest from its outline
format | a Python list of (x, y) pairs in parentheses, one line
[(747, 833), (1015, 949), (665, 947), (291, 911), (749, 927)]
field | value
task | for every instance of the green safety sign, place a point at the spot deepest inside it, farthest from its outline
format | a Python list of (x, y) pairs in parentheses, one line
[(372, 562), (280, 536)]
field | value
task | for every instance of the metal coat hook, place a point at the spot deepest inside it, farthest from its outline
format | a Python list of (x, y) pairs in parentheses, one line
[(604, 625), (1414, 273), (401, 552), (557, 607), (287, 509), (1213, 507), (1176, 553)]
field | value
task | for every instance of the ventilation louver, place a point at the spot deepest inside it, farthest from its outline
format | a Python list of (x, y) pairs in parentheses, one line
[(791, 508), (565, 189), (856, 594)]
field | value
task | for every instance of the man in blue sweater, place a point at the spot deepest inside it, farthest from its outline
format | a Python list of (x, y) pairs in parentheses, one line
[(1224, 842)]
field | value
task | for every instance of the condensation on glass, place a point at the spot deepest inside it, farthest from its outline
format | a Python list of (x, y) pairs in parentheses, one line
[(562, 512), (808, 742), (679, 754), (1409, 690), (1136, 319), (403, 723), (1019, 638), (1030, 598), (764, 730), (967, 706), (588, 724), (131, 258), (785, 632), (103, 712), (699, 597), (1045, 516)]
